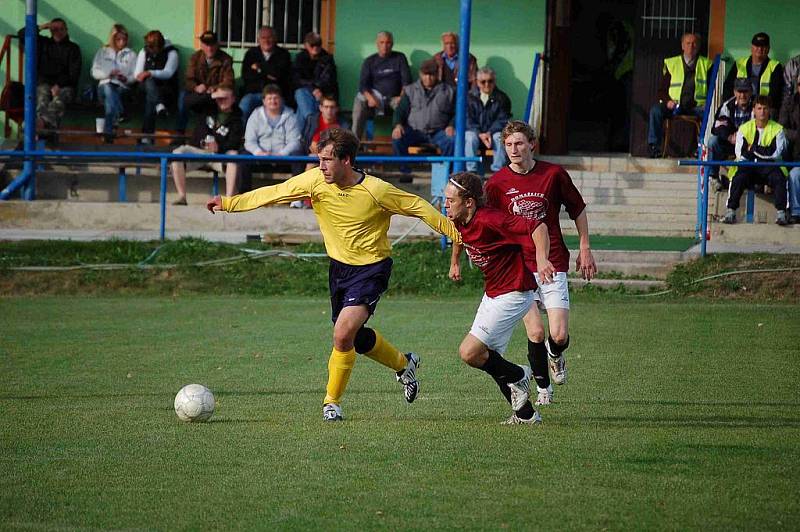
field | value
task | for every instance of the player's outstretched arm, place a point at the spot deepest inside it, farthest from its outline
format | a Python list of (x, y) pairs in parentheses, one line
[(455, 262), (214, 204), (541, 239), (584, 263)]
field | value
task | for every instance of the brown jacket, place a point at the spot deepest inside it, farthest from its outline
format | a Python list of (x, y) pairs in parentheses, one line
[(449, 76), (217, 75)]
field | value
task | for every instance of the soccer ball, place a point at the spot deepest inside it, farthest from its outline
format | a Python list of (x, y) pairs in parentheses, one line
[(194, 402)]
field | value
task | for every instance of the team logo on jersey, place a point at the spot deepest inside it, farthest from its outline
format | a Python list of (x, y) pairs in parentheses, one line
[(478, 259), (530, 208), (512, 191)]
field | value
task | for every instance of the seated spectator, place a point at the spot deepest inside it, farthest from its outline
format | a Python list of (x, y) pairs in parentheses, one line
[(220, 132), (447, 60), (791, 75), (326, 116), (730, 116), (759, 140), (265, 64), (488, 110), (764, 74), (157, 74), (272, 129), (113, 67), (313, 74), (383, 76), (425, 114), (58, 71), (682, 90), (209, 69), (790, 120)]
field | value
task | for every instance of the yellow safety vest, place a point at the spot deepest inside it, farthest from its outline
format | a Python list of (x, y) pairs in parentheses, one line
[(748, 131), (766, 73), (674, 65)]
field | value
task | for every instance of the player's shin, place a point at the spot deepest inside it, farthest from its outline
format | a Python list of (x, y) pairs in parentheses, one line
[(382, 351), (340, 365)]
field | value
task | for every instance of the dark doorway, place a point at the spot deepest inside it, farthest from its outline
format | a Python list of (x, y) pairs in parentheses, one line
[(659, 27), (602, 69)]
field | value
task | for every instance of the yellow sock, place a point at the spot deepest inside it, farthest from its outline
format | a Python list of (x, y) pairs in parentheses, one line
[(387, 354), (340, 365)]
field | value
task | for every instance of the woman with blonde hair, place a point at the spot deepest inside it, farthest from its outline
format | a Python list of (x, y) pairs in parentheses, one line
[(113, 68)]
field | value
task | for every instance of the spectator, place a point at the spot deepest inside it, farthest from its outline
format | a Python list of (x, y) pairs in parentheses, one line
[(731, 115), (791, 75), (264, 64), (157, 74), (58, 70), (790, 120), (313, 74), (447, 60), (272, 129), (682, 90), (759, 140), (488, 110), (327, 116), (220, 132), (113, 67), (209, 69), (425, 114), (383, 76), (765, 74)]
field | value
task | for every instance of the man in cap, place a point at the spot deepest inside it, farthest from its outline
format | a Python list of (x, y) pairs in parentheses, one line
[(765, 74), (734, 112), (209, 69), (220, 132)]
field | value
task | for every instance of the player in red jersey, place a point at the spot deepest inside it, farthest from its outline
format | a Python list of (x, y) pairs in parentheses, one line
[(536, 190), (494, 240)]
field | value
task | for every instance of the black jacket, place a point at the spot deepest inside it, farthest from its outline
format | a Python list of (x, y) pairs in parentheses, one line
[(59, 63), (790, 120), (319, 73), (228, 134), (490, 118), (277, 70)]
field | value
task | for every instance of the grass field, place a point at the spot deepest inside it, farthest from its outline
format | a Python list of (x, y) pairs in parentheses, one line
[(678, 415)]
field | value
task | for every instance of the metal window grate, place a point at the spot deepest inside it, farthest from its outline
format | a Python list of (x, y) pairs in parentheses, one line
[(237, 21), (668, 19)]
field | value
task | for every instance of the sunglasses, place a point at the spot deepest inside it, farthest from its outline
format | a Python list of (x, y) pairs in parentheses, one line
[(486, 81)]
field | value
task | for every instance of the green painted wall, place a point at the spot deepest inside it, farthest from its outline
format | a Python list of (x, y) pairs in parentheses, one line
[(505, 36), (779, 18)]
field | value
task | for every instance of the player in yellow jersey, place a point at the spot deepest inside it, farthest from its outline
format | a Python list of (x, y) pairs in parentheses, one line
[(353, 210)]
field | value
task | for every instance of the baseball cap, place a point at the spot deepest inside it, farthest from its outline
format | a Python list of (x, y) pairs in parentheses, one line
[(742, 85), (208, 37), (760, 39)]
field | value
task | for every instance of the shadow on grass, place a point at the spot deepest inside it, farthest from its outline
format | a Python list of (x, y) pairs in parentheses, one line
[(707, 422)]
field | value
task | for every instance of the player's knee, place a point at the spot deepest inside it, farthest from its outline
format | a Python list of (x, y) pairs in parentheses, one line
[(537, 336), (342, 340), (365, 340), (469, 356), (560, 337)]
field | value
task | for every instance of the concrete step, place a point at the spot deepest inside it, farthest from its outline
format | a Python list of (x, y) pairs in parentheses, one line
[(634, 228), (642, 208), (618, 163), (627, 216), (633, 180)]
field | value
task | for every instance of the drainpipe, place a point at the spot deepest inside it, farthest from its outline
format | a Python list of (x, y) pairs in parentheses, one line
[(463, 82), (27, 178)]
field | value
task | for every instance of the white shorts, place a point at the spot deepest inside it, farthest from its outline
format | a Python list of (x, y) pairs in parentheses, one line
[(496, 317), (191, 166), (552, 295)]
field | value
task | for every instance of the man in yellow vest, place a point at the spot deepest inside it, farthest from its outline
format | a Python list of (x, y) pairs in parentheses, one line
[(765, 74), (682, 91), (759, 140)]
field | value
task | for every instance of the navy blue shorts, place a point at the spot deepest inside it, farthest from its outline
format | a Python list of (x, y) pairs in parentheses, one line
[(357, 285)]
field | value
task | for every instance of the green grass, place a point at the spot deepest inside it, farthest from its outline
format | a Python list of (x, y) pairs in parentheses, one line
[(634, 243), (678, 415)]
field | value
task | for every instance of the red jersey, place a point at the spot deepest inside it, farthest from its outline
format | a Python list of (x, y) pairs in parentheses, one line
[(493, 240), (322, 125), (538, 195)]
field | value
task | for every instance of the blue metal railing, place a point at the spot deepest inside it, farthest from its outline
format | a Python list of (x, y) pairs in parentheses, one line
[(531, 90), (29, 156), (701, 227)]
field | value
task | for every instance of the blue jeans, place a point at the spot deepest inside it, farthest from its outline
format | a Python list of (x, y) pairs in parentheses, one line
[(655, 133), (794, 191), (307, 104), (152, 97), (414, 137), (249, 103), (472, 147), (111, 96)]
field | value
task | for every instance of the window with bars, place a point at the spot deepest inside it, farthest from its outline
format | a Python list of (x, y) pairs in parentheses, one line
[(237, 21), (668, 19)]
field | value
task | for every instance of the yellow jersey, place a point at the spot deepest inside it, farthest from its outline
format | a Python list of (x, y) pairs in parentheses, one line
[(354, 221)]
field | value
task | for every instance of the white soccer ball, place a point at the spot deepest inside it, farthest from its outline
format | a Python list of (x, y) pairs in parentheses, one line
[(194, 402)]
